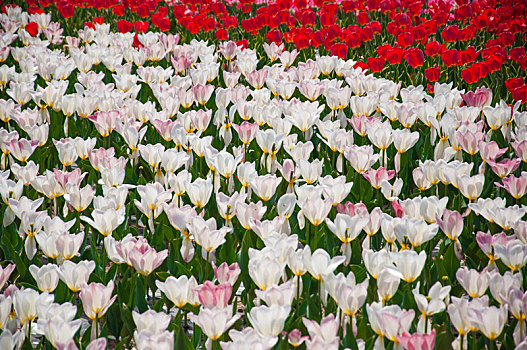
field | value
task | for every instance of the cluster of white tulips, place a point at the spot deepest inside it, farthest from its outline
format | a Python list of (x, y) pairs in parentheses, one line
[(343, 211)]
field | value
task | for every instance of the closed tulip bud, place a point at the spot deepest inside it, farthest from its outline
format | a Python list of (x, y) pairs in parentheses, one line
[(227, 273), (387, 284), (422, 341), (212, 296)]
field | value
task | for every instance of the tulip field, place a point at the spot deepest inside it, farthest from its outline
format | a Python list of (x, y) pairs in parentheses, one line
[(263, 174)]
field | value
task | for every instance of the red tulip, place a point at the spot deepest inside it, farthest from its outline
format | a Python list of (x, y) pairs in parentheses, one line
[(140, 26), (467, 33), (366, 34), (433, 73), (463, 12), (221, 34), (467, 56), (143, 11), (243, 43), (230, 22), (340, 50), (471, 74), (32, 28), (375, 64), (520, 93), (394, 55), (450, 33), (307, 18), (516, 53), (98, 20), (450, 57), (405, 40), (433, 48), (363, 18), (274, 36), (66, 11), (301, 40), (118, 10), (316, 39), (414, 57), (124, 26), (34, 10), (513, 83)]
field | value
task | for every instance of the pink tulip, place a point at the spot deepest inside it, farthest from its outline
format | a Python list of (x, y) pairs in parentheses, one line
[(490, 150), (375, 176), (520, 148), (361, 158), (181, 63), (295, 337), (352, 209), (451, 223), (469, 140), (257, 78), (211, 295), (228, 49), (72, 178), (516, 186), (227, 274), (246, 131), (360, 124), (96, 299), (486, 242), (417, 341), (202, 93), (146, 259), (164, 128), (22, 149), (505, 167), (398, 209), (97, 156), (479, 98), (5, 273), (105, 122), (97, 344)]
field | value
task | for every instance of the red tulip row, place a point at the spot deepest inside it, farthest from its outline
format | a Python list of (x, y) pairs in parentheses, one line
[(439, 40)]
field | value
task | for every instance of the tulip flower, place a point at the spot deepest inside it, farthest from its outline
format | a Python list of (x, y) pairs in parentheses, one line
[(96, 299), (489, 320), (421, 341), (474, 282), (179, 291), (150, 320), (214, 321), (46, 276), (227, 273), (268, 320)]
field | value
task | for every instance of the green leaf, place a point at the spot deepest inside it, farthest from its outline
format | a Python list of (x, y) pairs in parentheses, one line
[(182, 341)]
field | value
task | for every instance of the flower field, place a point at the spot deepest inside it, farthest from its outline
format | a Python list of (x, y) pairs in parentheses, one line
[(263, 174)]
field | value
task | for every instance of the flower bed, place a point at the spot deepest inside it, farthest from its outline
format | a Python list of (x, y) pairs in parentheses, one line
[(237, 175)]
